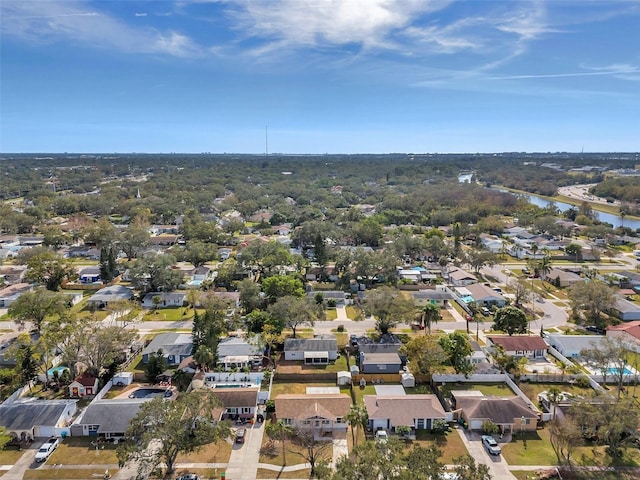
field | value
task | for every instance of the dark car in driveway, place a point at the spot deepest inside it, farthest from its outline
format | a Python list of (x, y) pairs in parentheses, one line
[(241, 433)]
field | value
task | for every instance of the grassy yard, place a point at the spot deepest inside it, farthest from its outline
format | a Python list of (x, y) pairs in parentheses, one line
[(531, 390), (297, 388), (65, 473), (530, 448), (340, 365), (171, 314), (330, 314), (79, 451), (450, 443), (218, 452), (361, 392), (352, 312), (291, 456), (264, 473), (498, 390), (9, 457), (591, 455)]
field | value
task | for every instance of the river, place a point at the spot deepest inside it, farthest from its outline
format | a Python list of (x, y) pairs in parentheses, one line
[(614, 220)]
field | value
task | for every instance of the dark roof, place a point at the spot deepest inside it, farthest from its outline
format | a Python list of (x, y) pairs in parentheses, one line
[(500, 410), (237, 397), (388, 343), (320, 343), (112, 415), (519, 342), (86, 380), (26, 415), (171, 343)]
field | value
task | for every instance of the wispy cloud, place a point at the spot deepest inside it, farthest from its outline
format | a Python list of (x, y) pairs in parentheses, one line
[(619, 70), (45, 22), (140, 14)]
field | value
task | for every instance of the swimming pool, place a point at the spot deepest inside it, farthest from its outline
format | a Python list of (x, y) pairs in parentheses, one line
[(151, 392), (615, 371)]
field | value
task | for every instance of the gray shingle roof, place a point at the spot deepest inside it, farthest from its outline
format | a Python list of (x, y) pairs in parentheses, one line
[(113, 416), (26, 415), (321, 343)]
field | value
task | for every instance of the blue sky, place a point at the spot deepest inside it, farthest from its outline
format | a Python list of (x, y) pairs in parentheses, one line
[(325, 76)]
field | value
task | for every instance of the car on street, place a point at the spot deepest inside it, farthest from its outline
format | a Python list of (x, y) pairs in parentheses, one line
[(188, 476), (491, 445), (240, 435), (47, 449)]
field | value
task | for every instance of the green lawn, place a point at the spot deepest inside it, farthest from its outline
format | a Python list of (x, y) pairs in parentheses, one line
[(498, 390), (450, 443), (172, 314), (79, 451), (340, 365), (330, 314), (531, 390), (298, 388), (361, 392), (530, 448), (9, 457)]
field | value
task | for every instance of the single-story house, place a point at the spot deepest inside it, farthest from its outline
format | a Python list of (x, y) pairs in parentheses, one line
[(30, 419), (437, 297), (315, 274), (237, 402), (629, 332), (10, 294), (321, 349), (324, 413), (415, 411), (460, 278), (236, 352), (113, 293), (337, 296), (388, 343), (380, 362), (492, 243), (530, 346), (175, 347), (511, 414), (166, 299), (107, 418), (486, 296), (571, 345), (562, 278), (89, 274), (84, 385), (625, 310)]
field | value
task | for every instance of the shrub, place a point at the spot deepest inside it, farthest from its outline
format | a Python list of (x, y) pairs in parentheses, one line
[(340, 328)]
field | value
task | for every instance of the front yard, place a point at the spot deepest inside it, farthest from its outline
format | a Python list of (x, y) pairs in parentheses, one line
[(450, 443)]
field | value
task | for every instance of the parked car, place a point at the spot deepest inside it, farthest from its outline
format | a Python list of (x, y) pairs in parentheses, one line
[(240, 435), (382, 437), (491, 445), (486, 312), (189, 476), (47, 449)]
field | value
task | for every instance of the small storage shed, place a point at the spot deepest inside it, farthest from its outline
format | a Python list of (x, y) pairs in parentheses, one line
[(408, 380), (344, 378), (123, 378)]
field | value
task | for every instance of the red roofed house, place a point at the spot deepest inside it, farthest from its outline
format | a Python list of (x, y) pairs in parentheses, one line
[(530, 346), (629, 332), (85, 385)]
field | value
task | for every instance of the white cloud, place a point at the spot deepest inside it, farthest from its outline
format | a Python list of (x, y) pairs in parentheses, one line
[(43, 22), (365, 23), (141, 14)]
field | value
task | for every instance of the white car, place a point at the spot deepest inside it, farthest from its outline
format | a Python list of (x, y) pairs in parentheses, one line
[(47, 449), (491, 445), (381, 436)]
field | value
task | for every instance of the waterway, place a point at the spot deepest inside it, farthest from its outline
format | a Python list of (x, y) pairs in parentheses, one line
[(614, 220)]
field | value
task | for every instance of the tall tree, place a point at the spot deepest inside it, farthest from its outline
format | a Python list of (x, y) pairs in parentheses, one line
[(295, 311), (357, 418), (107, 263), (50, 270), (389, 307), (425, 354), (153, 273), (282, 285), (467, 469), (313, 449), (458, 348), (198, 253), (134, 239), (265, 257), (161, 430), (594, 298), (37, 305), (510, 320), (249, 295), (281, 432), (429, 313)]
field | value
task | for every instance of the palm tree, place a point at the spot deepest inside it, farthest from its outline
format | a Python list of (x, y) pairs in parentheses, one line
[(554, 395), (204, 357), (357, 416), (279, 431), (429, 314)]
